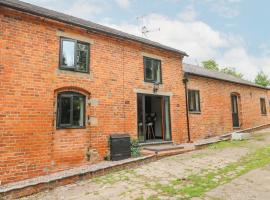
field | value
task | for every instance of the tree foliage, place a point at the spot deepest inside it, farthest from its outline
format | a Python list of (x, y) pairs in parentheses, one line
[(231, 71), (211, 65), (262, 79)]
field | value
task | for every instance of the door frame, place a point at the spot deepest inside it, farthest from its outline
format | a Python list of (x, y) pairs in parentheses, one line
[(235, 97), (143, 95)]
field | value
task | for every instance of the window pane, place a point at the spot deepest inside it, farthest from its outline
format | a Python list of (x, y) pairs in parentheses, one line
[(68, 49), (193, 100), (197, 101), (82, 56), (149, 70), (234, 104), (167, 119), (78, 111), (263, 106), (65, 110), (156, 66), (190, 100)]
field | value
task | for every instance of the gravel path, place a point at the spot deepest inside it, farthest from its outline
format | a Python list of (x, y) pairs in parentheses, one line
[(160, 179)]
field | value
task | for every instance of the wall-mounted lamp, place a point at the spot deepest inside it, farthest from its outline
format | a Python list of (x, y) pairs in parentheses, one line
[(156, 87)]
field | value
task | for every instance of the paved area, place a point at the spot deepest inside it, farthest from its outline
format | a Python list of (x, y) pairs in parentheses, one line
[(253, 185), (227, 170)]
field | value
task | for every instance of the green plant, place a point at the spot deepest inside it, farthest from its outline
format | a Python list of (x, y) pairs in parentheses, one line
[(107, 156), (135, 149)]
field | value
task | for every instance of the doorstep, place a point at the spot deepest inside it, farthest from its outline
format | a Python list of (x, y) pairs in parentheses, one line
[(154, 142)]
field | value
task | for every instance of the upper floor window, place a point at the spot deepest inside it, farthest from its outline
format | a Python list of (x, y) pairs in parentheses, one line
[(70, 110), (194, 101), (74, 55), (152, 70), (263, 106)]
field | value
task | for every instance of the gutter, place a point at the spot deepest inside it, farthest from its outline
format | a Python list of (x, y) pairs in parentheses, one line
[(185, 81)]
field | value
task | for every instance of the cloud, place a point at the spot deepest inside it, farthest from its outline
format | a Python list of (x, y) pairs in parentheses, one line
[(225, 8), (195, 37), (86, 9), (201, 42), (189, 13), (123, 3)]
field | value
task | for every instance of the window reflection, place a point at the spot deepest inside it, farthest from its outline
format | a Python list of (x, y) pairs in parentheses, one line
[(68, 53)]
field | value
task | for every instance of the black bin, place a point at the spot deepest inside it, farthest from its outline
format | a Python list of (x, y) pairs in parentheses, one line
[(120, 147)]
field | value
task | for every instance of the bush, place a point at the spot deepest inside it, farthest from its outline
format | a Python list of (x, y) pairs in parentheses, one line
[(135, 149)]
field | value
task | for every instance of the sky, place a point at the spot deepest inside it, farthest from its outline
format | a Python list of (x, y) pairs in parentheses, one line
[(235, 33)]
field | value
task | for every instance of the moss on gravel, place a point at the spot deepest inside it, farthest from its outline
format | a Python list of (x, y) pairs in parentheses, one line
[(197, 185)]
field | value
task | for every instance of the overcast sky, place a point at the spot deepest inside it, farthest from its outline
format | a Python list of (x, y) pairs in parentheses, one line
[(233, 32)]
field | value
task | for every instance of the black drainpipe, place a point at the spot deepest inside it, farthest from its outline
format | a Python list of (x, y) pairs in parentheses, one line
[(185, 81)]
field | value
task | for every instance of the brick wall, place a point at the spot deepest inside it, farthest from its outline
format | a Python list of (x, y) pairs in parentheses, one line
[(216, 115), (30, 145)]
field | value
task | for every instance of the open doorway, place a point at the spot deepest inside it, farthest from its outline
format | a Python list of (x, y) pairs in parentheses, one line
[(153, 118)]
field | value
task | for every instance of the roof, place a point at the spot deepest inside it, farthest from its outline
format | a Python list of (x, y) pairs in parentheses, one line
[(91, 26), (200, 71)]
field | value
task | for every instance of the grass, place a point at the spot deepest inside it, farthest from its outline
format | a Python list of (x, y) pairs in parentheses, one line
[(228, 144), (197, 185), (113, 178)]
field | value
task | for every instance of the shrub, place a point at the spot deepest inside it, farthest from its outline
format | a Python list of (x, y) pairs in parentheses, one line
[(135, 149)]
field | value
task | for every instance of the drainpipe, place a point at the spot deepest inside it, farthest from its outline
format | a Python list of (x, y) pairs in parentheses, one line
[(185, 81)]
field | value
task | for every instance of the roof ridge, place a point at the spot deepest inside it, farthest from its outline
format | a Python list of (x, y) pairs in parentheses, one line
[(192, 69), (214, 71), (83, 23)]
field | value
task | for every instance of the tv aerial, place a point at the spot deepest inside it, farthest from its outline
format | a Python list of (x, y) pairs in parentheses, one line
[(144, 30)]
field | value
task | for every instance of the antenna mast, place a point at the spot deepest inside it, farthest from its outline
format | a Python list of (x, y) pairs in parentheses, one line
[(144, 30)]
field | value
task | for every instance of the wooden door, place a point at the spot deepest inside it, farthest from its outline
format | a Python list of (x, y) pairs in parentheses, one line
[(235, 116)]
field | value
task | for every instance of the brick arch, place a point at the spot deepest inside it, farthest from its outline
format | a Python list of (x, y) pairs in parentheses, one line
[(73, 89), (236, 93)]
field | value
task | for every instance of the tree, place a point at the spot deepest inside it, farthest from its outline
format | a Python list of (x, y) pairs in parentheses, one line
[(211, 65), (231, 71), (262, 79)]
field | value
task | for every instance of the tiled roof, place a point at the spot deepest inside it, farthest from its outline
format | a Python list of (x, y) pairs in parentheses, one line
[(200, 71), (91, 26)]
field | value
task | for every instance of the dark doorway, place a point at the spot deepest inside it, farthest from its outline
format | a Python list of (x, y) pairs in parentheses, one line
[(153, 118), (235, 116)]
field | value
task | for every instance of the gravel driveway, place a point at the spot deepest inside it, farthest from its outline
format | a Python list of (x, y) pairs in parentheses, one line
[(227, 170)]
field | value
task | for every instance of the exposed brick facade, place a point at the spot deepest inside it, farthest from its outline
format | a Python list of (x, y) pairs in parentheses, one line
[(215, 117), (30, 144), (30, 79)]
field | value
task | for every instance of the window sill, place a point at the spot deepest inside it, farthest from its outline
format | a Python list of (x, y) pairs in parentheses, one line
[(88, 75), (152, 82), (72, 70), (264, 115), (195, 112), (60, 128)]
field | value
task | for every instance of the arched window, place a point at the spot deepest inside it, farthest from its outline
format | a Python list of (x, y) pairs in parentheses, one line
[(70, 110)]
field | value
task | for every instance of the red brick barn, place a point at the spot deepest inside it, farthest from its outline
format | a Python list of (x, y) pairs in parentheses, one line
[(220, 103), (66, 84)]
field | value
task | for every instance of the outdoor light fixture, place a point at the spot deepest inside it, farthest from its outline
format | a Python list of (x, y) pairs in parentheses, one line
[(156, 87)]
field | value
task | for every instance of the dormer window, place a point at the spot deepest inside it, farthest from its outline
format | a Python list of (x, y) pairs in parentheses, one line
[(152, 70)]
